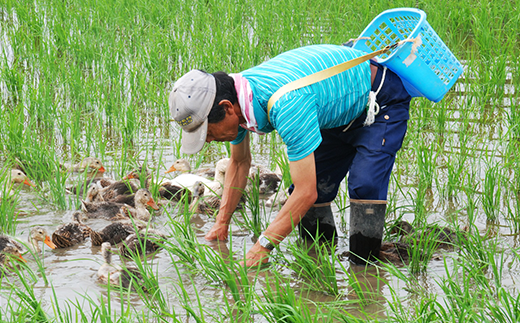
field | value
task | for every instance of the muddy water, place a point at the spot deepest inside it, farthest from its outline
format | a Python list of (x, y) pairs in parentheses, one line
[(72, 271)]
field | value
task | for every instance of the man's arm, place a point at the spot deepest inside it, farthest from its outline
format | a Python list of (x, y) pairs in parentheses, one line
[(234, 184), (303, 174)]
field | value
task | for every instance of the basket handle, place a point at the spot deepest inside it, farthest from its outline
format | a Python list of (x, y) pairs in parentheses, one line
[(323, 74)]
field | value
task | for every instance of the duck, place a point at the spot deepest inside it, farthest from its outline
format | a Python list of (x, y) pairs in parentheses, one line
[(72, 233), (16, 177), (188, 180), (94, 171), (140, 177), (408, 237), (91, 165), (120, 191), (277, 199), (39, 234), (268, 181), (115, 232), (204, 204), (112, 274), (443, 236), (146, 242), (173, 192), (9, 247), (117, 211), (182, 165)]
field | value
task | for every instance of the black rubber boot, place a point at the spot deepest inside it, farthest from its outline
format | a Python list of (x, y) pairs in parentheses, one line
[(367, 220), (318, 222)]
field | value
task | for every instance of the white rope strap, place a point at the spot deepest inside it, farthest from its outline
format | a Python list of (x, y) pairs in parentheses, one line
[(373, 106)]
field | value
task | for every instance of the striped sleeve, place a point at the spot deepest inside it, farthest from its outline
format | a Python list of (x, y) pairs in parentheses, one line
[(296, 120)]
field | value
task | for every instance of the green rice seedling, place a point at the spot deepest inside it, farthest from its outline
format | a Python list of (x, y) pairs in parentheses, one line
[(426, 163), (474, 249), (513, 211), (147, 284), (282, 305), (505, 307), (8, 211), (491, 193), (31, 303), (423, 244), (252, 219), (315, 263), (187, 300)]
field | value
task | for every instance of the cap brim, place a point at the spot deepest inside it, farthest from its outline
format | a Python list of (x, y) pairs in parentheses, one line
[(193, 141)]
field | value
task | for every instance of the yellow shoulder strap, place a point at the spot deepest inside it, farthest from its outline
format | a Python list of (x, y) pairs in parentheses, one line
[(321, 75)]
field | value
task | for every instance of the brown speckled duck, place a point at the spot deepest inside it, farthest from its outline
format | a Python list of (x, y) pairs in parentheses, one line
[(116, 232), (117, 211), (72, 233), (146, 242), (409, 237), (9, 247)]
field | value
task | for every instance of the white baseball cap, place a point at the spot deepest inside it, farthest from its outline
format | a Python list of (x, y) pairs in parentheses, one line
[(190, 102)]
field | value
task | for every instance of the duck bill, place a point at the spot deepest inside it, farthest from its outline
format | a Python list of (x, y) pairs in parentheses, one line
[(171, 169), (49, 242), (28, 182), (101, 169), (152, 204), (129, 176), (22, 258)]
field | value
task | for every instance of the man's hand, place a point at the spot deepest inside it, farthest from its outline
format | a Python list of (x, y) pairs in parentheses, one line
[(219, 231), (256, 256)]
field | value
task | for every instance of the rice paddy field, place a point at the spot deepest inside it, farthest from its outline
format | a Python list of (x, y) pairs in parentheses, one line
[(92, 78)]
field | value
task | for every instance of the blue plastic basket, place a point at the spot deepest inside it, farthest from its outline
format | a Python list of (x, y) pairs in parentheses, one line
[(435, 69)]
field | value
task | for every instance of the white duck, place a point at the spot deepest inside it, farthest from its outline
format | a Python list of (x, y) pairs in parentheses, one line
[(190, 181)]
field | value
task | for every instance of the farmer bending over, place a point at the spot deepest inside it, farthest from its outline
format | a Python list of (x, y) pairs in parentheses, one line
[(353, 122)]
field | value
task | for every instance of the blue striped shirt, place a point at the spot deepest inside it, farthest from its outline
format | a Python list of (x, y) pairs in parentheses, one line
[(299, 115)]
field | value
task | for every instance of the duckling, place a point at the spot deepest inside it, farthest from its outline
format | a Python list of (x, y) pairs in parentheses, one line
[(117, 211), (277, 199), (115, 232), (72, 233), (113, 274), (146, 242), (36, 235), (10, 247), (401, 250)]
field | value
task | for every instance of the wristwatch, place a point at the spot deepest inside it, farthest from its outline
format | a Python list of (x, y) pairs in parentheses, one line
[(265, 242)]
